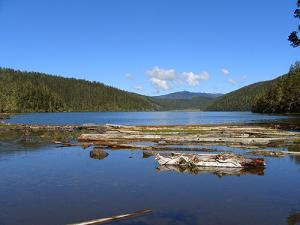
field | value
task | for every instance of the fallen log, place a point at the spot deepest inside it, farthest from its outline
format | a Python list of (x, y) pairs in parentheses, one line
[(118, 145), (209, 160), (177, 139), (114, 218), (218, 171)]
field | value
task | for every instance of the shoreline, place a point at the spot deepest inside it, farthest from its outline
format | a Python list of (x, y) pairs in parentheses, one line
[(246, 136)]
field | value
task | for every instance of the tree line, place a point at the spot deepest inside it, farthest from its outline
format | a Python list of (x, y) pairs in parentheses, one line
[(39, 92), (283, 96)]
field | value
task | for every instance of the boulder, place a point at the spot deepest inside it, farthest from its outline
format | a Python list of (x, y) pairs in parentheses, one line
[(98, 153)]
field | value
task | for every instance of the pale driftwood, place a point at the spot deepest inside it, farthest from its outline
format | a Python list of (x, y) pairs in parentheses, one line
[(291, 153), (117, 145), (114, 218), (175, 138), (243, 136), (209, 160), (219, 171)]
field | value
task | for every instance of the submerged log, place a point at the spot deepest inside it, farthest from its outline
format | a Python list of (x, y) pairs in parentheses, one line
[(209, 160), (114, 218), (147, 154), (64, 144), (267, 153), (276, 153)]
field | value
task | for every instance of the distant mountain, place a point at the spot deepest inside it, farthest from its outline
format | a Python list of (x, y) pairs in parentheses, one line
[(187, 95), (184, 100), (195, 103)]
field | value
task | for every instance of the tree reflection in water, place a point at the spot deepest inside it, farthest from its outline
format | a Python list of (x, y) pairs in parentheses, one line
[(295, 158), (294, 218)]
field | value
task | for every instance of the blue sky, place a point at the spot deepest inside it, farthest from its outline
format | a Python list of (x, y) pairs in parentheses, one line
[(151, 47)]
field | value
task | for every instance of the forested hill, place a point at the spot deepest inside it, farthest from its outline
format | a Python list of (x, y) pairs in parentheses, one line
[(283, 96), (241, 99), (38, 92)]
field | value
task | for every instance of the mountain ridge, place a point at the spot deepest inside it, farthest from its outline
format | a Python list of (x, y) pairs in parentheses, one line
[(187, 95)]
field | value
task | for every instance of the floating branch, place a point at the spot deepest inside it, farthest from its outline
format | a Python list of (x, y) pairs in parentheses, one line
[(114, 218)]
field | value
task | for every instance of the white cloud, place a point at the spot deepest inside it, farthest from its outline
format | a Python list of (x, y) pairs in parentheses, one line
[(225, 71), (129, 76), (161, 78), (139, 87), (244, 77), (160, 84), (231, 81), (194, 79), (162, 74), (165, 79)]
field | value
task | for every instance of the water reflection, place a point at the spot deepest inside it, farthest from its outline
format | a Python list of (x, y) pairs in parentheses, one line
[(295, 158), (220, 172), (18, 146), (98, 153), (174, 217), (294, 218)]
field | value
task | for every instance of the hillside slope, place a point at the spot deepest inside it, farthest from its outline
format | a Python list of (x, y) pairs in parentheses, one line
[(241, 99), (38, 92), (283, 96)]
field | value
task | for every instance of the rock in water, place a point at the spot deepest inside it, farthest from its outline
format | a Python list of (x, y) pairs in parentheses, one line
[(98, 153)]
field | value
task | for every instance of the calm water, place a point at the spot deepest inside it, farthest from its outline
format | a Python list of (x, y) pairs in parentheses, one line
[(49, 185), (41, 184), (141, 118)]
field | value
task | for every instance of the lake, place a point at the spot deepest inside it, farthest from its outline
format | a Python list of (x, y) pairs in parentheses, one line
[(43, 184), (142, 118)]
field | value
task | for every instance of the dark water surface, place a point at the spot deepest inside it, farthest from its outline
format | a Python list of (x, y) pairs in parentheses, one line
[(141, 118), (41, 184)]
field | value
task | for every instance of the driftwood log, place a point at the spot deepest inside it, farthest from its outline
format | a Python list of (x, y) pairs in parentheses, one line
[(114, 218), (228, 160), (218, 171)]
